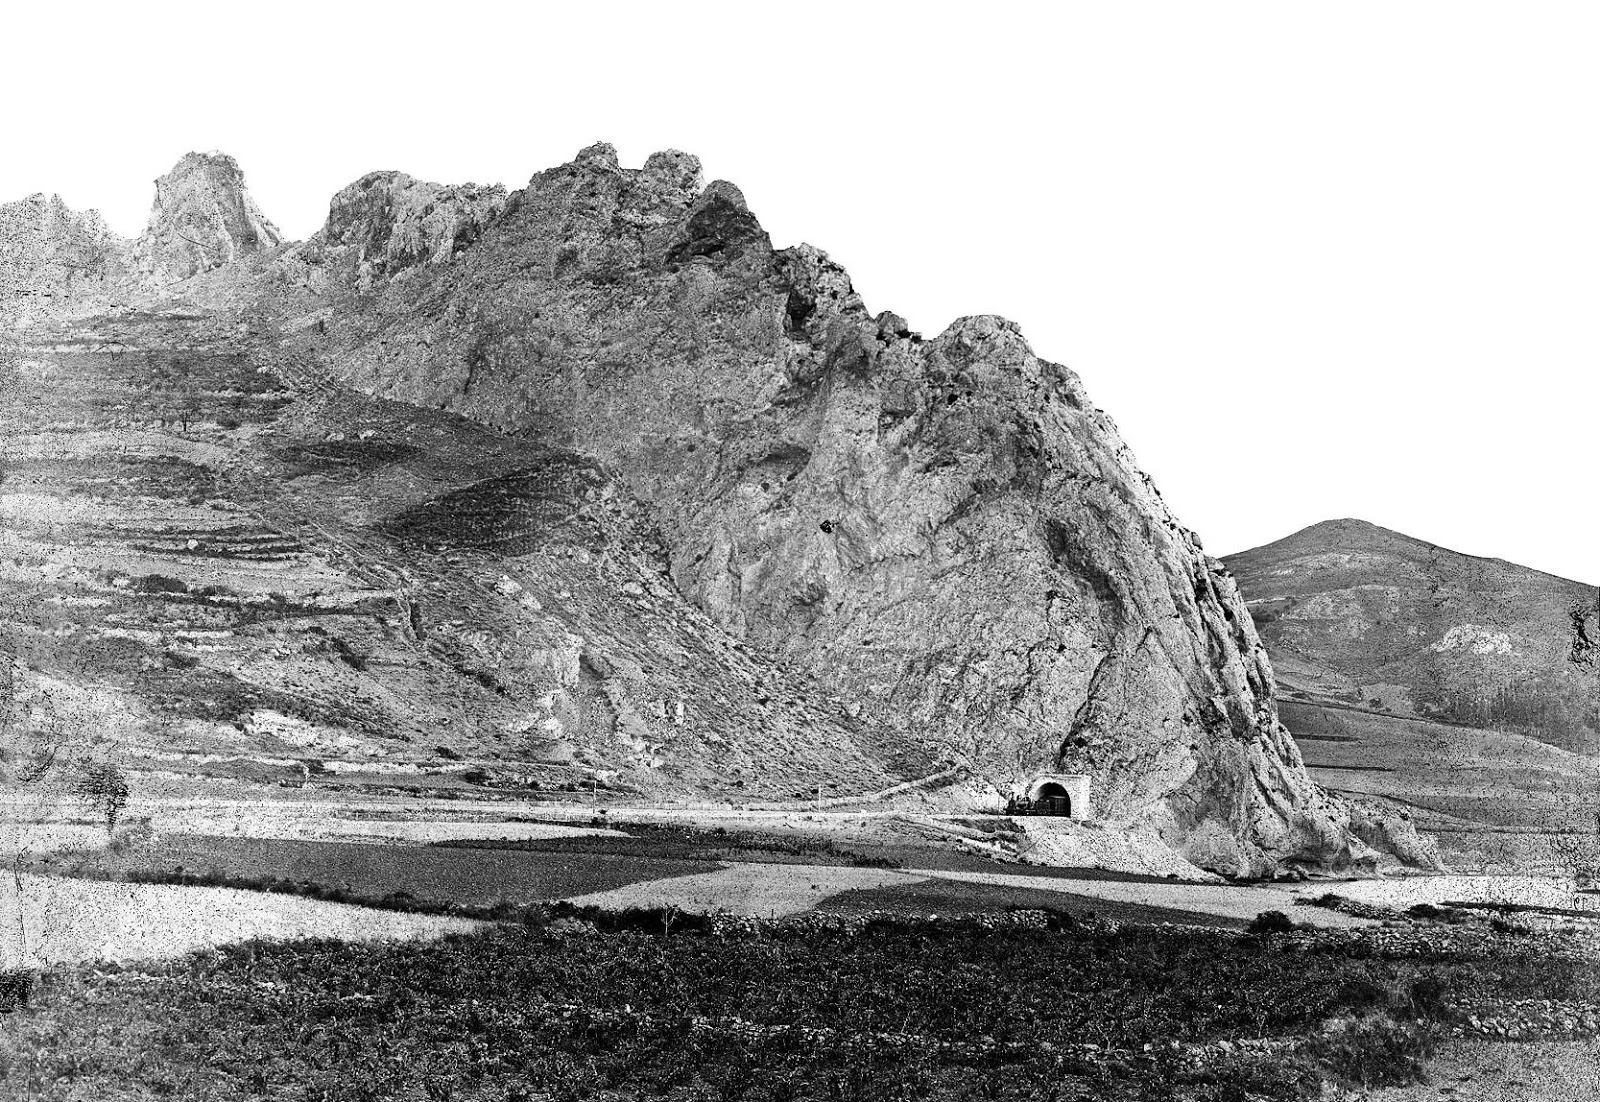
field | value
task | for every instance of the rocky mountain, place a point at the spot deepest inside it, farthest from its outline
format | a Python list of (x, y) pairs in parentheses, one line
[(57, 260), (592, 477), (213, 563), (58, 263), (203, 218), (1356, 614), (387, 222)]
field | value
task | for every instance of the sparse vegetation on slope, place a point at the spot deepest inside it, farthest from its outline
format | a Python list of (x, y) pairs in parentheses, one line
[(1357, 615)]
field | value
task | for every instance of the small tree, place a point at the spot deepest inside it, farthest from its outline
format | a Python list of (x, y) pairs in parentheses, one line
[(103, 789), (1585, 649), (1579, 851)]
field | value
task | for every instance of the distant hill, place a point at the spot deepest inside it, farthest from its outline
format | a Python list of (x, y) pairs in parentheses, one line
[(1355, 614), (1437, 682)]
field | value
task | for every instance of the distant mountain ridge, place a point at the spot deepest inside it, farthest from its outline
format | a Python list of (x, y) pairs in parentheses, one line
[(1357, 614)]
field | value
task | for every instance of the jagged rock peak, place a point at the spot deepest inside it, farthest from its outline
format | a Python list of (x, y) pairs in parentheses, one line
[(672, 170), (987, 333), (668, 176), (203, 218), (54, 259), (598, 155), (726, 192), (389, 221)]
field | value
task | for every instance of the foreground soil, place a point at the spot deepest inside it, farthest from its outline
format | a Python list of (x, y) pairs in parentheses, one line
[(1481, 1071)]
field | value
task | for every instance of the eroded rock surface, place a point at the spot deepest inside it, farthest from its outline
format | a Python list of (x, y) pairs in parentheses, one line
[(203, 218), (386, 222), (57, 261), (215, 564)]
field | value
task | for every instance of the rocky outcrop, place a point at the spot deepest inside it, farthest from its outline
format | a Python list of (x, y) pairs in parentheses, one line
[(217, 563), (55, 261), (386, 222), (203, 218), (945, 532)]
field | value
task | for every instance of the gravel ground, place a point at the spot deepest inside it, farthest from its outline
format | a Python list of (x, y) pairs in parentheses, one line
[(415, 831), (1479, 1071), (770, 890), (764, 891), (1537, 891), (57, 920)]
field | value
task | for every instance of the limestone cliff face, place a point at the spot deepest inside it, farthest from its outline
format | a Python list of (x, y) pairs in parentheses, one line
[(945, 532), (55, 260), (203, 218)]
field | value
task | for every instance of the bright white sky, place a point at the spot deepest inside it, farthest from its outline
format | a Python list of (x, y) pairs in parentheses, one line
[(1319, 260)]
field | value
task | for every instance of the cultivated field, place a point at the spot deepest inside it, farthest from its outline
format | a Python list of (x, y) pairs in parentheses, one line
[(648, 1005), (1496, 802), (395, 948)]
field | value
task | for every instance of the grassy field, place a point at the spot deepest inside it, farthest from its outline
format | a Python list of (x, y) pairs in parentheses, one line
[(490, 877), (956, 898), (678, 842), (480, 877), (895, 1010)]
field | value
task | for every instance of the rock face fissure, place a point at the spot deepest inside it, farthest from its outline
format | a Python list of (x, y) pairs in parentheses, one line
[(943, 535)]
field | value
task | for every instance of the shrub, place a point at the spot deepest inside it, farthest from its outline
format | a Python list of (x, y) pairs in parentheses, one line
[(1372, 1050), (15, 989), (1271, 922), (875, 861), (103, 789), (1502, 926), (160, 583)]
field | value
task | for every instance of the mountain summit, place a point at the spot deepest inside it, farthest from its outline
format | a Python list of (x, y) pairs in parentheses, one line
[(203, 218)]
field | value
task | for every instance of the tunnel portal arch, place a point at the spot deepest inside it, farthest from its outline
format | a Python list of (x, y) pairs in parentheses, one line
[(1061, 794), (1053, 799)]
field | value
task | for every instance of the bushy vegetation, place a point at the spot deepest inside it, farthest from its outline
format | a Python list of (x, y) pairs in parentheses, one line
[(102, 788), (672, 1009), (1558, 710), (1271, 922)]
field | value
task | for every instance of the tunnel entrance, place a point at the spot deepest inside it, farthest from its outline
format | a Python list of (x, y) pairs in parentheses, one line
[(1065, 795), (1052, 799)]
